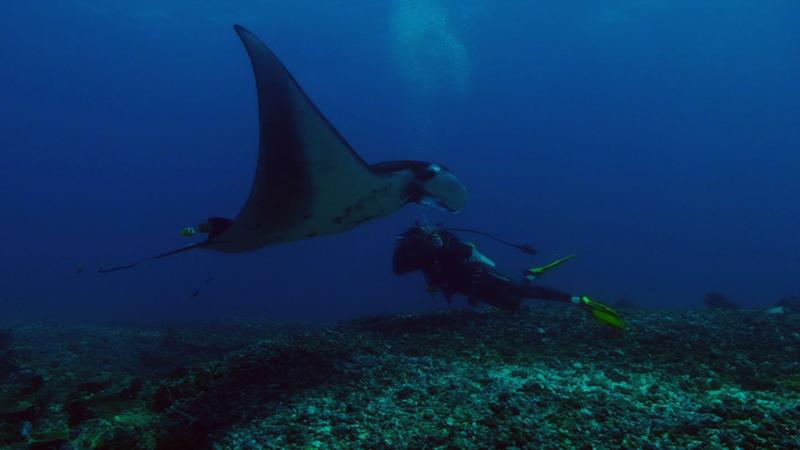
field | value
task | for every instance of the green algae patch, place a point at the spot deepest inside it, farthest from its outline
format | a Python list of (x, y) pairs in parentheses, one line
[(134, 418), (48, 439)]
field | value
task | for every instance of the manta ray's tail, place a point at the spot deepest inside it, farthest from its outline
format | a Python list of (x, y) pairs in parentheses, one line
[(163, 255)]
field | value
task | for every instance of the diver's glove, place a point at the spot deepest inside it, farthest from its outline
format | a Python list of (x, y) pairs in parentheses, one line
[(603, 313)]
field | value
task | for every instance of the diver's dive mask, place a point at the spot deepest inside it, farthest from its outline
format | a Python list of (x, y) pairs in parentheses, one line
[(415, 248)]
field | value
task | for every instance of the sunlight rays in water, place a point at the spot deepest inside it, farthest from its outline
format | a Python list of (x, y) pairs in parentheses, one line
[(427, 50)]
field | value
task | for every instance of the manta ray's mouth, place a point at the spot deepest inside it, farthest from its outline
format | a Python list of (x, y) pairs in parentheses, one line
[(445, 191), (429, 200)]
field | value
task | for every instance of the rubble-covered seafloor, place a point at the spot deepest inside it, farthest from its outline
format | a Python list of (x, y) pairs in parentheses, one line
[(546, 377)]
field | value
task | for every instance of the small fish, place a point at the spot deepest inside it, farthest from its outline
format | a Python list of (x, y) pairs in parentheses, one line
[(188, 231), (209, 279), (79, 270), (196, 293)]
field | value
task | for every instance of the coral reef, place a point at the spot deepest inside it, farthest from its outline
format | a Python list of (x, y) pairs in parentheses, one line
[(791, 303), (545, 377)]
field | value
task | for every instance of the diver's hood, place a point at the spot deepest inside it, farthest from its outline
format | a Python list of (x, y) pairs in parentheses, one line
[(413, 250)]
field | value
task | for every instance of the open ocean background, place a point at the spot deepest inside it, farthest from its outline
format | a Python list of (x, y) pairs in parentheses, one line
[(658, 140)]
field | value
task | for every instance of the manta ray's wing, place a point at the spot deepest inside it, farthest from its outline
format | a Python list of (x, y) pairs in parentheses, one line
[(309, 180)]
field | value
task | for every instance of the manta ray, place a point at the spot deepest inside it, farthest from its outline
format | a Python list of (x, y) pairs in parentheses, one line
[(309, 181)]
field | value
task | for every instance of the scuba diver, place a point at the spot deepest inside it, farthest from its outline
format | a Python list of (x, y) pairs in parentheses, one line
[(454, 266)]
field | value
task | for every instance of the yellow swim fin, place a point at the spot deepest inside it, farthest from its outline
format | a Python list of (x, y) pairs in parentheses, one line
[(536, 272), (603, 313)]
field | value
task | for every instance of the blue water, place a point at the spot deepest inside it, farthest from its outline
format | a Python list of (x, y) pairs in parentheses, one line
[(658, 140)]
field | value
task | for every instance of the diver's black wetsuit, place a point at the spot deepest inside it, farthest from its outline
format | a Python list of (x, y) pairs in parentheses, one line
[(449, 266)]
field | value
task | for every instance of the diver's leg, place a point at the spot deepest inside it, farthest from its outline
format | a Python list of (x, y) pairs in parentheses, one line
[(494, 289), (542, 293)]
